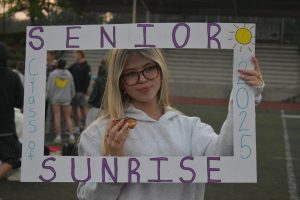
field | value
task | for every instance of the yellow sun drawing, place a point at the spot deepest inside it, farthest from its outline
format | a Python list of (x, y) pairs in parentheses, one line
[(243, 37)]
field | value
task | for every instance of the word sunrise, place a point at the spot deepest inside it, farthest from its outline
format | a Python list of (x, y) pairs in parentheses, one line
[(130, 169)]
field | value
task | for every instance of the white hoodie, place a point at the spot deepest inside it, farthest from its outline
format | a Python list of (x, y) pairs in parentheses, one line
[(174, 134)]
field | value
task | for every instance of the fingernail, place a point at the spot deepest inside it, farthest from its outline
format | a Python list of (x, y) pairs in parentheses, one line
[(126, 125)]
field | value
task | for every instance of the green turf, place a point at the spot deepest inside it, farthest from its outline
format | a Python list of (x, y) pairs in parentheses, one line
[(36, 191), (214, 117), (294, 136), (272, 179)]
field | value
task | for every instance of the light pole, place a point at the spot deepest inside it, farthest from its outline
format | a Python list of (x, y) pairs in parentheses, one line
[(134, 11)]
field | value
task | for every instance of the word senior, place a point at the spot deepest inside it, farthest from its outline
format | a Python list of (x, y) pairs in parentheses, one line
[(146, 35)]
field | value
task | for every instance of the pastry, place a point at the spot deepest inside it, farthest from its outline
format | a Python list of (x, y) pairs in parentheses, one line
[(131, 122)]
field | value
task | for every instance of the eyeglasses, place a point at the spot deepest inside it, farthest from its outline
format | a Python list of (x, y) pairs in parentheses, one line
[(150, 73)]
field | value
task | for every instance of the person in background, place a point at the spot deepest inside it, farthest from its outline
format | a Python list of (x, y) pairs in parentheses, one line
[(20, 69), (97, 94), (60, 91), (12, 93), (80, 71), (51, 61)]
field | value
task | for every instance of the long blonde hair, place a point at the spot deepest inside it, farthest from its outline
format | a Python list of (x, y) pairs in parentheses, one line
[(113, 100)]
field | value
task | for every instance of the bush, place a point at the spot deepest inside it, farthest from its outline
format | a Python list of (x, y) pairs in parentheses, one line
[(16, 46)]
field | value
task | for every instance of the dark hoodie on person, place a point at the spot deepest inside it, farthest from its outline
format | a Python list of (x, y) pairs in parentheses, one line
[(81, 76), (12, 93), (99, 87)]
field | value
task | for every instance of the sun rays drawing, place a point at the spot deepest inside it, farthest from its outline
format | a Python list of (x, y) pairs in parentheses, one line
[(243, 37)]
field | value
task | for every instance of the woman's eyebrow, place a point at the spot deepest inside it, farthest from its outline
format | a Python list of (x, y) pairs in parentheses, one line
[(142, 67)]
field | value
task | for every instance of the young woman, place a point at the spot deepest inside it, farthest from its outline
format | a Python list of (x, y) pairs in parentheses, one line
[(137, 87), (60, 91)]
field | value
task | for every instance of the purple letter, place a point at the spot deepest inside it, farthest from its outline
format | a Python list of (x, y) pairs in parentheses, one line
[(158, 159), (212, 169), (187, 37), (187, 168), (41, 29), (105, 167), (73, 171), (50, 168), (103, 32), (209, 25), (68, 45), (145, 35), (130, 171)]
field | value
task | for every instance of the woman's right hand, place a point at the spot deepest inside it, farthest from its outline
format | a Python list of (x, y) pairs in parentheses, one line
[(115, 137)]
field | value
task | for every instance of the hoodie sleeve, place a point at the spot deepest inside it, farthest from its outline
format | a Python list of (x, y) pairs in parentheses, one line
[(206, 142), (257, 92), (90, 145)]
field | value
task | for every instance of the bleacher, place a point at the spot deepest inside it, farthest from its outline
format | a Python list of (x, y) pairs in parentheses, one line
[(281, 69), (93, 57), (205, 73)]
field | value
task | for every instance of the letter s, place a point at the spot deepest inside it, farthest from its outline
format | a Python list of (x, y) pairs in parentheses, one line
[(32, 36), (49, 168)]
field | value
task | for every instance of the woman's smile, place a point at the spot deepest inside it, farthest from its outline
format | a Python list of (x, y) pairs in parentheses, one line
[(144, 89)]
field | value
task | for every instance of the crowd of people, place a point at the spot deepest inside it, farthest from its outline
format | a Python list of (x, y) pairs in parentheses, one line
[(69, 106), (67, 94)]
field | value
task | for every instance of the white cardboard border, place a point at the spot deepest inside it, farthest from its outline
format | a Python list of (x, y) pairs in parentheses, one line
[(239, 168)]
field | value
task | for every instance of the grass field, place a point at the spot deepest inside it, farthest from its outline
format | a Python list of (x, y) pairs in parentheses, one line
[(272, 171), (271, 163)]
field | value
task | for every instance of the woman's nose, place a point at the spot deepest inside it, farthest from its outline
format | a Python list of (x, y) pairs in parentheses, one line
[(142, 78)]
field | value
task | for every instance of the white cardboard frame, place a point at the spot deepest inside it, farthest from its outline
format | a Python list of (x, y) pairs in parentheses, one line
[(238, 168)]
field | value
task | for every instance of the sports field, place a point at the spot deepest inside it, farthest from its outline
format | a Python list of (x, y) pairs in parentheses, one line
[(278, 150), (272, 157)]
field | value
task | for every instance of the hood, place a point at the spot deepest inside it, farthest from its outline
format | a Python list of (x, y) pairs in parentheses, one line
[(133, 112), (62, 73), (3, 69)]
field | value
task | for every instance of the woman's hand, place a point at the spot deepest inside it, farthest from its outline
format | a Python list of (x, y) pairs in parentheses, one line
[(115, 137), (253, 77)]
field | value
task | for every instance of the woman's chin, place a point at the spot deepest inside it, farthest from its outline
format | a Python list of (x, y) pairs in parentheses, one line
[(145, 98)]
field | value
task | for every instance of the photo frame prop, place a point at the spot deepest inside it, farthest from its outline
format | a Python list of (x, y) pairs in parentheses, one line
[(241, 167)]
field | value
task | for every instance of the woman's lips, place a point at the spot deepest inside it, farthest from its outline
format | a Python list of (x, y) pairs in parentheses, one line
[(144, 89)]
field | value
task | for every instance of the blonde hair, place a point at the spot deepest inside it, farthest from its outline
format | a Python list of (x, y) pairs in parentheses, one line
[(113, 101)]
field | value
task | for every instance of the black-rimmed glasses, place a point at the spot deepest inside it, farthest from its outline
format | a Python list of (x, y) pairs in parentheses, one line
[(150, 73)]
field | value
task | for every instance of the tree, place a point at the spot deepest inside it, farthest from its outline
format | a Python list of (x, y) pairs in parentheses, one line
[(35, 9), (4, 4)]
